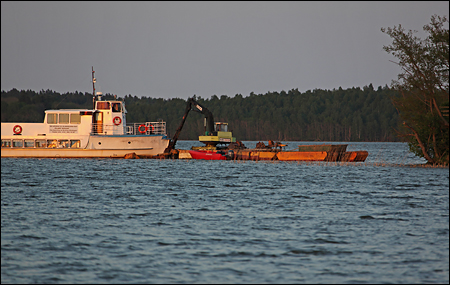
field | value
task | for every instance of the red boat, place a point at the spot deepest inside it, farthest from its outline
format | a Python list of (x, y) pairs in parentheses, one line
[(207, 154)]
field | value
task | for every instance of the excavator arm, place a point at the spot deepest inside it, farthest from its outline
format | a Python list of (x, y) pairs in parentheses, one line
[(194, 106)]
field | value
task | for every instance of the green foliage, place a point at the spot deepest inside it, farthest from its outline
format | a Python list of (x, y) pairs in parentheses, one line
[(354, 114), (423, 88)]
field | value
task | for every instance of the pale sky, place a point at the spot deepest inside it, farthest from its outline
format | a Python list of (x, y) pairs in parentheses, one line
[(178, 49)]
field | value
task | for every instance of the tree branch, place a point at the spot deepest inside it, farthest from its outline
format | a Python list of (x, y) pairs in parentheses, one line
[(416, 135)]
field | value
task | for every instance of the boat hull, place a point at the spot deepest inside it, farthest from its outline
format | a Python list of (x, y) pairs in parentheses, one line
[(355, 156), (255, 155), (74, 153), (302, 155), (98, 146), (206, 155)]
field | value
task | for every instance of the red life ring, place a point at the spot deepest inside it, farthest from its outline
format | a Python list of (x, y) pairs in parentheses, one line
[(117, 120), (153, 128), (143, 131), (17, 129)]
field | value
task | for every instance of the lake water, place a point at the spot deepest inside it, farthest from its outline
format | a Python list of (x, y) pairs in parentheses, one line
[(196, 221)]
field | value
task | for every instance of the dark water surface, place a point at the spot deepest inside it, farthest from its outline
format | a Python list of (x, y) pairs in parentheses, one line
[(193, 221)]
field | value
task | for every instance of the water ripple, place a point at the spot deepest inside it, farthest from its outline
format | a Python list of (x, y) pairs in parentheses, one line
[(185, 221)]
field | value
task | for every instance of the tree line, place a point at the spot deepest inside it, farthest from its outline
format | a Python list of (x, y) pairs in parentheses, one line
[(354, 114)]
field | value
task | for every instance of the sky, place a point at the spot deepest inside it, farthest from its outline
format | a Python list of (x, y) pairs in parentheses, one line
[(180, 49)]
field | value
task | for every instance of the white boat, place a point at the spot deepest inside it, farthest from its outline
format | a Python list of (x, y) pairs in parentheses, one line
[(84, 133)]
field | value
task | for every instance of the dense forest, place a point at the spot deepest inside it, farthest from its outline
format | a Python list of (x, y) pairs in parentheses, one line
[(353, 114)]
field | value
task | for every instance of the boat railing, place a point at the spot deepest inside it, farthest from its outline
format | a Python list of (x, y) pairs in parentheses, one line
[(107, 129), (147, 128)]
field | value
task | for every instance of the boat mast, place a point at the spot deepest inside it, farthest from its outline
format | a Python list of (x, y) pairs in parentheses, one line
[(93, 88)]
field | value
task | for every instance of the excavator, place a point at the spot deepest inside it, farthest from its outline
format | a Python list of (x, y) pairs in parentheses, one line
[(215, 133)]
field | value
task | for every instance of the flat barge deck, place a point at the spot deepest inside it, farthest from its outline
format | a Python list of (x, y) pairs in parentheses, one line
[(322, 152)]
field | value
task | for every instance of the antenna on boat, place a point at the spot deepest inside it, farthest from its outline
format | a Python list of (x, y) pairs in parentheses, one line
[(93, 87)]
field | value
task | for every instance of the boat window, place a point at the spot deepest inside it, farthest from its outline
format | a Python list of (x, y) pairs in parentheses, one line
[(28, 143), (75, 144), (103, 105), (63, 118), (221, 128), (63, 143), (40, 143), (17, 143), (52, 143), (75, 118), (116, 107), (52, 119), (6, 143)]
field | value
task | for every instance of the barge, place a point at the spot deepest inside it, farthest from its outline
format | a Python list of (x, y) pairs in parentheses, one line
[(322, 152)]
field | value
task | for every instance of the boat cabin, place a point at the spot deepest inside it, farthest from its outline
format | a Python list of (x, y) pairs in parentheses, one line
[(221, 127), (109, 118)]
